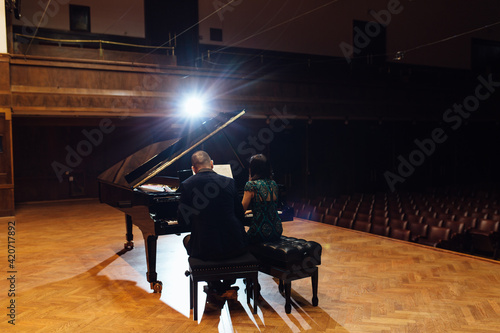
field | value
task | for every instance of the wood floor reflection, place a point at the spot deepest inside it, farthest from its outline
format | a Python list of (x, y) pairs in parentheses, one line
[(73, 276)]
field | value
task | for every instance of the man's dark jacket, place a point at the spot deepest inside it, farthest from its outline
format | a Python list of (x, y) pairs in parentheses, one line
[(210, 204)]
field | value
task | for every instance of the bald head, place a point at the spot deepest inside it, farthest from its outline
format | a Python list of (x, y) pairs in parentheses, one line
[(201, 160)]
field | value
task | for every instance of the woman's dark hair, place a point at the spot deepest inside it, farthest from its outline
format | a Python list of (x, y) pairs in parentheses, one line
[(259, 167)]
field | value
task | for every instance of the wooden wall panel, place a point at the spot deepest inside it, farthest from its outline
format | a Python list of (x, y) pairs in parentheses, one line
[(4, 73), (89, 89), (7, 202), (4, 81), (6, 149), (6, 165)]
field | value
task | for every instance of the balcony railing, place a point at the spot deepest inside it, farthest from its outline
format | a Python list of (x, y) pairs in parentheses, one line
[(52, 43)]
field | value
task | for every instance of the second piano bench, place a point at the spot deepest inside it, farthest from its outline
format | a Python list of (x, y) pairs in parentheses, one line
[(290, 259)]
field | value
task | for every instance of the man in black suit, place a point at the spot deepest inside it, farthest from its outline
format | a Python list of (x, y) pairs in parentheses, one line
[(210, 204)]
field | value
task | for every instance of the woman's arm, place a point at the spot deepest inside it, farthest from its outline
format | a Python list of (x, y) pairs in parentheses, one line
[(247, 198)]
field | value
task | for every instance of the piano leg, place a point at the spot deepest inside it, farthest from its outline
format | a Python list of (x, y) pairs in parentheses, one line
[(129, 244), (150, 245)]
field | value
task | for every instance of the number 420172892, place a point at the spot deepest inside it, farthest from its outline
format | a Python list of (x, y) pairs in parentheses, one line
[(11, 241)]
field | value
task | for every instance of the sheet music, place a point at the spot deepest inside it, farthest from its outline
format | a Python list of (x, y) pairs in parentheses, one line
[(223, 169)]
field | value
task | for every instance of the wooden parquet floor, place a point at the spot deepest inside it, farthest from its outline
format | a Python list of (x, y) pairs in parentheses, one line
[(73, 276)]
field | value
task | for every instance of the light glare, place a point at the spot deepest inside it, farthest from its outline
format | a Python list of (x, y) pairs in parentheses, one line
[(194, 106)]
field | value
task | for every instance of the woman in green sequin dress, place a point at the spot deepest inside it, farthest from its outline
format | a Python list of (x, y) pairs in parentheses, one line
[(261, 197)]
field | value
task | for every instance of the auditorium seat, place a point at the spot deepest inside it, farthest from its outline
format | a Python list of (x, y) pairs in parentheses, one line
[(348, 214), (367, 202), (315, 216), (468, 221), (494, 217), (380, 206), (396, 215), (489, 211), (362, 226), (417, 230), (398, 233), (414, 219), (334, 212), (408, 207), (328, 203), (303, 213), (352, 207), (398, 224), (380, 229), (432, 221), (441, 210), (379, 212), (345, 222), (425, 214), (446, 217), (308, 207), (315, 202), (449, 208), (363, 217), (457, 236), (456, 227), (339, 204), (411, 212), (457, 212), (330, 219), (382, 220), (435, 236), (321, 210), (477, 215), (364, 210), (485, 237)]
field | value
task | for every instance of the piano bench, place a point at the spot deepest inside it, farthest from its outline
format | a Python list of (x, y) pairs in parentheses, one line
[(245, 266), (290, 259)]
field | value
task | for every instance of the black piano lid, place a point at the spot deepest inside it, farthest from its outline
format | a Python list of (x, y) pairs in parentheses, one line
[(146, 163)]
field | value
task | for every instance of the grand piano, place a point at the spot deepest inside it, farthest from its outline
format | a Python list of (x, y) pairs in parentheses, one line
[(138, 187)]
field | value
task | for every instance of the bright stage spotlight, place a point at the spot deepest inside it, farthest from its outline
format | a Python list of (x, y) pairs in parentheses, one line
[(194, 106)]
